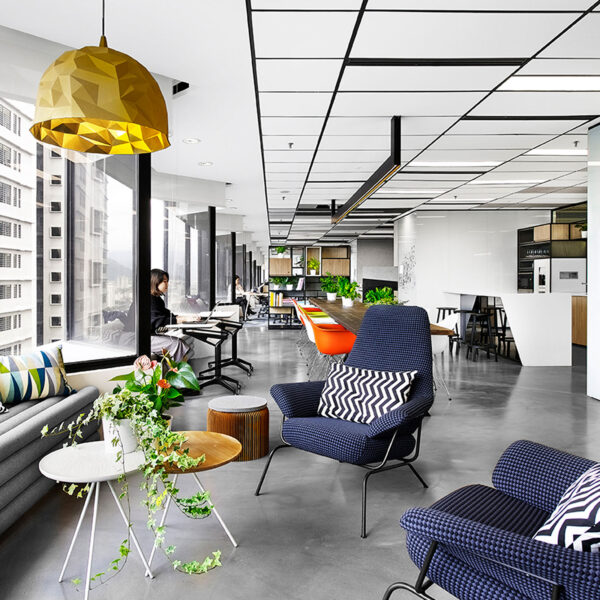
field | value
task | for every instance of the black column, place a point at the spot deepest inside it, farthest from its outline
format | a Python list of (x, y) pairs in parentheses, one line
[(233, 266), (42, 298), (251, 274), (142, 242), (244, 280), (212, 255)]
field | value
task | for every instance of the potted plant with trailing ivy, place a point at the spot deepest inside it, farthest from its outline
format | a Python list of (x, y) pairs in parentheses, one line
[(313, 265), (348, 291), (329, 285), (384, 295), (139, 407)]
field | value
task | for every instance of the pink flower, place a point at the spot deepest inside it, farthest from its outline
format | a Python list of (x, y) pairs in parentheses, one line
[(153, 364), (175, 370), (143, 363)]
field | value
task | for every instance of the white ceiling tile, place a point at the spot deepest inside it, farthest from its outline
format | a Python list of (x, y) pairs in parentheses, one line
[(497, 5), (459, 35), (287, 167), (273, 177), (422, 78), (447, 206), (567, 142), (297, 75), (281, 142), (581, 41), (537, 167), (377, 156), (382, 125), (564, 66), (287, 155), (539, 104), (302, 34), (292, 125), (423, 104), (395, 203), (489, 142), (496, 126), (358, 168), (292, 104), (470, 155)]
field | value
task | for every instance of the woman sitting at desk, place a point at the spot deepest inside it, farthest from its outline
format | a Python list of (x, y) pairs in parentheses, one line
[(241, 299), (160, 316)]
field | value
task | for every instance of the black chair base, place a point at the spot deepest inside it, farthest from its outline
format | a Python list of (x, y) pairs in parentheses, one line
[(246, 366), (401, 585), (229, 383)]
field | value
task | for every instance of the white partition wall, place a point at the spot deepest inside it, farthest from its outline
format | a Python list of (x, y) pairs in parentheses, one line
[(593, 245)]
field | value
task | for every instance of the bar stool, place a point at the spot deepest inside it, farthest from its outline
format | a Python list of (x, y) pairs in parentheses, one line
[(442, 310), (483, 341), (458, 338)]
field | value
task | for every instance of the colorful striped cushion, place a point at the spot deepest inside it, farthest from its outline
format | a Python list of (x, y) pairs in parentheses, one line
[(33, 376)]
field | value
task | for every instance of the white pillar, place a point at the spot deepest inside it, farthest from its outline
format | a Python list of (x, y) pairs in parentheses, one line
[(593, 262)]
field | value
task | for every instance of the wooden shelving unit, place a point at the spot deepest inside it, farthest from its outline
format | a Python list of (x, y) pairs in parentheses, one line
[(293, 263)]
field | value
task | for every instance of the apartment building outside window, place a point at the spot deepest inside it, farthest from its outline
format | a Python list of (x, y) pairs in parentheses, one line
[(5, 260), (56, 180), (55, 207), (55, 277), (5, 155), (5, 323), (56, 232), (55, 321), (5, 228), (5, 291), (5, 117), (55, 253), (55, 299), (5, 193)]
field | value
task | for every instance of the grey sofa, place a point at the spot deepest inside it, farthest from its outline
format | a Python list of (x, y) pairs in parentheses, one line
[(22, 447)]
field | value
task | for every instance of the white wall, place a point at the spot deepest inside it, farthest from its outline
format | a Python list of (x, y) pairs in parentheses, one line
[(458, 251)]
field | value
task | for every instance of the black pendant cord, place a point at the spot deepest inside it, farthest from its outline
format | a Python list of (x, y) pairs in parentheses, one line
[(103, 11)]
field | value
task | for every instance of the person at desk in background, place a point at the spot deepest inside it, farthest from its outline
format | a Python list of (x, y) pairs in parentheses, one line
[(240, 297), (160, 316)]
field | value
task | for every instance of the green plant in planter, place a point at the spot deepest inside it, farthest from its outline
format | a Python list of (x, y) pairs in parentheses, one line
[(313, 264), (329, 283), (291, 281), (581, 226), (347, 289), (384, 295), (148, 391), (280, 249), (279, 280)]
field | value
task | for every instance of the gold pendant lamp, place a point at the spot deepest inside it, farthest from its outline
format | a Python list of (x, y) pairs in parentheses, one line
[(101, 101)]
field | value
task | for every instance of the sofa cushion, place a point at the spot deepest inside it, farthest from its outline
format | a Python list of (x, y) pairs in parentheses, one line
[(342, 440), (32, 376), (24, 411), (575, 523), (362, 395)]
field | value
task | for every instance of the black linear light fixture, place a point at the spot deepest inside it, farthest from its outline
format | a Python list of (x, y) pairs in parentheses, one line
[(379, 177)]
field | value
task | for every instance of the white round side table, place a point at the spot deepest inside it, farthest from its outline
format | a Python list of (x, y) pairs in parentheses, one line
[(91, 463)]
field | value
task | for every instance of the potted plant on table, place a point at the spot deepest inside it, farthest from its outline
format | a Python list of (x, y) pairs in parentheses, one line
[(138, 411), (384, 295), (348, 291), (313, 265), (329, 285)]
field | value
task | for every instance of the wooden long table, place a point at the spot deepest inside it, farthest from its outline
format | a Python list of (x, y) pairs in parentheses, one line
[(351, 318)]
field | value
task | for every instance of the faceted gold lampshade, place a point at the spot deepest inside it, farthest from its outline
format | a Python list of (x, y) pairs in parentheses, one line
[(98, 100)]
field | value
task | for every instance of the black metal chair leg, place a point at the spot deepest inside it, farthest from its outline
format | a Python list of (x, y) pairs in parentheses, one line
[(422, 583), (418, 476), (363, 522), (264, 473), (407, 587)]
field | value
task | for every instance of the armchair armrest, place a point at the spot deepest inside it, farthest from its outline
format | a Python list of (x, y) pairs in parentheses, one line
[(298, 399), (407, 417), (556, 564), (537, 474)]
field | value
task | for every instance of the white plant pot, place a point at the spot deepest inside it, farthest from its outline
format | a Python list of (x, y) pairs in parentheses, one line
[(312, 272), (347, 302), (275, 287), (289, 287), (584, 234), (331, 296), (121, 430)]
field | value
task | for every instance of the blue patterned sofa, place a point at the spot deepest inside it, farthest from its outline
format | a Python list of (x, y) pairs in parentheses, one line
[(477, 542), (22, 447)]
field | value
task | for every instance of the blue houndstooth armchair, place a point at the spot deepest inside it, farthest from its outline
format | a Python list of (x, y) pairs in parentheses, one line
[(391, 338), (477, 542)]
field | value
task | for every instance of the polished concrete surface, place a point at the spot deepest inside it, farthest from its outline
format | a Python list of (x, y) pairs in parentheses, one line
[(300, 539)]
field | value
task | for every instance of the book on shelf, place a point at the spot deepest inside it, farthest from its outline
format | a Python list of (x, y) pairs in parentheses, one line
[(300, 285), (275, 299)]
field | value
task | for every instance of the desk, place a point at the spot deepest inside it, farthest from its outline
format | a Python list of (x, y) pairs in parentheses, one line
[(219, 449), (351, 318)]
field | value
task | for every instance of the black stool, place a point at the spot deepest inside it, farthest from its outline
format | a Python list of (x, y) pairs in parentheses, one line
[(457, 338), (484, 340), (442, 310)]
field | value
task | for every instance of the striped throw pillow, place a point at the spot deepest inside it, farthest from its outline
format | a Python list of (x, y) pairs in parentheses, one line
[(575, 522), (362, 395), (33, 376)]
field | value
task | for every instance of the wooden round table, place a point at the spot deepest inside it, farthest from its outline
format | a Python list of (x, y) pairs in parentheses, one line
[(218, 449)]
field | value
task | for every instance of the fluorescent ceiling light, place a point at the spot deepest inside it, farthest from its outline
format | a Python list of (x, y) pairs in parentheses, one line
[(463, 163), (552, 83), (396, 191), (505, 182), (206, 163), (191, 140), (557, 152)]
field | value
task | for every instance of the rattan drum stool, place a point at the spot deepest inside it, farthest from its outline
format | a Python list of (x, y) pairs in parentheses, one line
[(246, 418)]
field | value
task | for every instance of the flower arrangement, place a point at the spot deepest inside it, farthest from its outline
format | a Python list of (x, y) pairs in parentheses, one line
[(148, 391)]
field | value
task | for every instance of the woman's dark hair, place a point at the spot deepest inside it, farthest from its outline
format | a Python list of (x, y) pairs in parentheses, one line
[(157, 276), (236, 277)]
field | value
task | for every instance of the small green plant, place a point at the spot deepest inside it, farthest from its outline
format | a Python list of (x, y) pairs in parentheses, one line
[(279, 280), (313, 264), (347, 289), (384, 295), (329, 283), (291, 281), (581, 226), (280, 249)]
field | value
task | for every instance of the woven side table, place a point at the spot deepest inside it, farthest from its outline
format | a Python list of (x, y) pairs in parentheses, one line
[(246, 418)]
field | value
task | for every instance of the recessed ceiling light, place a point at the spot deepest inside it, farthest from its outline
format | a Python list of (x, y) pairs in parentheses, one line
[(557, 152), (486, 163), (191, 140), (284, 192), (552, 83), (205, 163)]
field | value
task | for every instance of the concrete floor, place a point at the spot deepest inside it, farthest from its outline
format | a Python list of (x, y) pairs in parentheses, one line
[(300, 539)]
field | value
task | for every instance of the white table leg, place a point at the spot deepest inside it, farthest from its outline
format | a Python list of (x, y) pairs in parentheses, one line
[(83, 511), (92, 535), (130, 528), (214, 510), (162, 520)]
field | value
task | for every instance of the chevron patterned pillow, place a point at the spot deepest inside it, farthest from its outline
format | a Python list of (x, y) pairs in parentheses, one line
[(575, 522), (361, 395)]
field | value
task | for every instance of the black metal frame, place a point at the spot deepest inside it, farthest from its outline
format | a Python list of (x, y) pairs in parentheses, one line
[(212, 255), (372, 470), (423, 584)]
